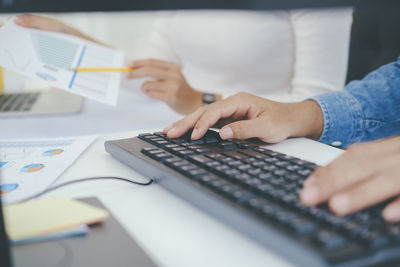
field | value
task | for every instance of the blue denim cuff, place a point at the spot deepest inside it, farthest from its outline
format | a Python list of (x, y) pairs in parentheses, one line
[(343, 118)]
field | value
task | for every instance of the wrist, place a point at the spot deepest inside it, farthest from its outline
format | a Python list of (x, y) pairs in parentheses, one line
[(196, 101), (307, 120), (72, 31)]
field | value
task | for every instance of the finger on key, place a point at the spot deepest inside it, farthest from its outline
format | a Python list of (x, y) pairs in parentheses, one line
[(182, 126)]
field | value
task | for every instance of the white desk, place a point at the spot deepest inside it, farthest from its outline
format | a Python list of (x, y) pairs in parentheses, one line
[(173, 232), (135, 111)]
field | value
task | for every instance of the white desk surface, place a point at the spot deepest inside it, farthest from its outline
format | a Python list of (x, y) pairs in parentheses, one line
[(171, 231), (134, 111)]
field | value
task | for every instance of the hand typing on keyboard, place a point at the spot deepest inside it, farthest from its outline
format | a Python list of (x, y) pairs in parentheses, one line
[(364, 176), (244, 116)]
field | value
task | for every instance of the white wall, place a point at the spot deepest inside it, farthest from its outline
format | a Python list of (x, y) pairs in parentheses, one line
[(127, 31)]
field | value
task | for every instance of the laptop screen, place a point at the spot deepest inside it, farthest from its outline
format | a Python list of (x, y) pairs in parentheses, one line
[(5, 260)]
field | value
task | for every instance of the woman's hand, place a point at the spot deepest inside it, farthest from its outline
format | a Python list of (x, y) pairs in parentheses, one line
[(49, 24), (168, 85), (42, 23), (366, 174), (244, 116)]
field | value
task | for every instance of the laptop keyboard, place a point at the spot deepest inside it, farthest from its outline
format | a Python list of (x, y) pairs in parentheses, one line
[(267, 184), (17, 102)]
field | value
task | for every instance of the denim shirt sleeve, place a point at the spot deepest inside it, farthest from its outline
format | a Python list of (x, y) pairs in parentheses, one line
[(366, 110)]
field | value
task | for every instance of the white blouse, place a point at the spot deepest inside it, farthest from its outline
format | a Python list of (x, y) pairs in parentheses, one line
[(282, 55)]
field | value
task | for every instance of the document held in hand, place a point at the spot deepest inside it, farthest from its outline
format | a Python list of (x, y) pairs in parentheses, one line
[(52, 56)]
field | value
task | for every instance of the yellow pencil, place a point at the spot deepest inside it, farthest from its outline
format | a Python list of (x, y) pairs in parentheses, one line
[(80, 69)]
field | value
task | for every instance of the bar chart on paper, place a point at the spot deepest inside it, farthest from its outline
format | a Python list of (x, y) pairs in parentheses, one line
[(52, 57), (61, 54), (30, 166)]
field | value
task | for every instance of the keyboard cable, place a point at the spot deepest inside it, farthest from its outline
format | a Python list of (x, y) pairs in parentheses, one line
[(86, 180)]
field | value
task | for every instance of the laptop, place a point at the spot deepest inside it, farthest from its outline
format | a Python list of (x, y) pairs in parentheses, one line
[(107, 244), (39, 103)]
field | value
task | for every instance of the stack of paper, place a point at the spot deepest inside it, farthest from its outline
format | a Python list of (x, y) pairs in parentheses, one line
[(48, 219)]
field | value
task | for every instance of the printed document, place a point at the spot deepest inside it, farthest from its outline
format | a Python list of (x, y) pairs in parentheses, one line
[(51, 56), (28, 167)]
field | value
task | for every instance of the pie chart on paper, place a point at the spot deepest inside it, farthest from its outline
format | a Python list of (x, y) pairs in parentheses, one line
[(32, 167), (7, 188), (53, 152)]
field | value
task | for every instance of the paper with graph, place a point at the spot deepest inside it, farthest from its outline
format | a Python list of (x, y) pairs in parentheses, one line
[(50, 57), (28, 167)]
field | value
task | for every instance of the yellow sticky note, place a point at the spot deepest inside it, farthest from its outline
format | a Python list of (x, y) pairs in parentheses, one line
[(40, 217)]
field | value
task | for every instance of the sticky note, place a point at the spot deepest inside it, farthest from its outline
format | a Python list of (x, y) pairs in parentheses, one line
[(42, 217)]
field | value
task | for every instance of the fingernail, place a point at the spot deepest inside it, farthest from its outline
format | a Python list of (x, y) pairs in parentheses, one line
[(173, 132), (309, 195), (195, 133), (226, 133), (340, 204), (166, 129), (391, 213)]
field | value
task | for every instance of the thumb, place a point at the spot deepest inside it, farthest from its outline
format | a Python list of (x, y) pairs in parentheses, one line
[(243, 129)]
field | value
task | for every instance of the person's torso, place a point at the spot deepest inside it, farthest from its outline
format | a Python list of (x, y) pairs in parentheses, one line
[(232, 51)]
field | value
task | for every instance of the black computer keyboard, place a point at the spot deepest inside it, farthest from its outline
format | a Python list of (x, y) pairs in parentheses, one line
[(255, 190), (17, 102)]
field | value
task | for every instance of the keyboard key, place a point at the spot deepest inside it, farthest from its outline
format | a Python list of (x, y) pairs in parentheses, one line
[(197, 173), (200, 159), (227, 145), (252, 153), (211, 140), (302, 226), (160, 134), (330, 240), (162, 156), (185, 153), (178, 140), (203, 150), (304, 172), (234, 154), (270, 209), (244, 167), (242, 196), (234, 163), (170, 146), (375, 239), (231, 172), (144, 134), (285, 217), (265, 176), (254, 171), (213, 164), (258, 163), (216, 156), (198, 142), (151, 152)]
